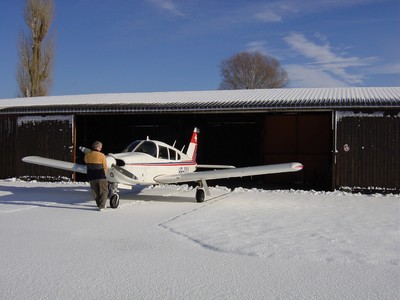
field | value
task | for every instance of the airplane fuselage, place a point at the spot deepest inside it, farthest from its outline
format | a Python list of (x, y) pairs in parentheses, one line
[(146, 161)]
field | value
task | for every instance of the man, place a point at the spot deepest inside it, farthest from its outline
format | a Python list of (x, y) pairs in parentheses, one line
[(96, 174)]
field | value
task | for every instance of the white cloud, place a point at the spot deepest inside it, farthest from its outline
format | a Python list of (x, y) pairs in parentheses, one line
[(268, 16), (167, 5), (386, 69), (307, 77), (275, 11), (264, 48), (256, 46), (324, 59)]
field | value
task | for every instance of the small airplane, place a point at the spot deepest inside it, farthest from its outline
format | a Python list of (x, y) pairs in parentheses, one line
[(149, 162)]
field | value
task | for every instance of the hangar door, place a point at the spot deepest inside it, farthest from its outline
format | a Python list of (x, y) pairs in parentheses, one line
[(368, 151), (7, 146), (304, 138), (50, 136)]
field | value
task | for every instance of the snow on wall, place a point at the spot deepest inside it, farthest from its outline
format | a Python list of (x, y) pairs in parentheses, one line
[(37, 119), (377, 114)]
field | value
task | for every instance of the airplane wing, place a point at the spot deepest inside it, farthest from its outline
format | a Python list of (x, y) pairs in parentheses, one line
[(53, 163), (214, 167), (229, 173)]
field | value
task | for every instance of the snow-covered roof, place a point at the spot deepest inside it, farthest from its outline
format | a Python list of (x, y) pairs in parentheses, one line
[(216, 100)]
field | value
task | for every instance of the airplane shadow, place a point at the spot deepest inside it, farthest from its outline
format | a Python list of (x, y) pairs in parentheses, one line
[(137, 194), (80, 197), (171, 197), (65, 197), (157, 198)]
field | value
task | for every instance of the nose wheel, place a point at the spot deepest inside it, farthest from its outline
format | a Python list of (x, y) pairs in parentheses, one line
[(114, 201), (113, 195)]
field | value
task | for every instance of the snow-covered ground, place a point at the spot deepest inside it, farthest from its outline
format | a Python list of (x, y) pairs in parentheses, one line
[(161, 244)]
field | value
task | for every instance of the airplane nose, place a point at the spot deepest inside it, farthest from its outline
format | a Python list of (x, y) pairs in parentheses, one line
[(110, 161)]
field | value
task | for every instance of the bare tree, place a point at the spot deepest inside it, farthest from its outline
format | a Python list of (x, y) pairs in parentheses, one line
[(252, 70), (36, 50)]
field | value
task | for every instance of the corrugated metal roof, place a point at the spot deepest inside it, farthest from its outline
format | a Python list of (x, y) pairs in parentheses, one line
[(219, 100)]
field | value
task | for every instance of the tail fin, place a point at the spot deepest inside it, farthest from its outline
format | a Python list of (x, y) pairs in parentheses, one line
[(192, 149)]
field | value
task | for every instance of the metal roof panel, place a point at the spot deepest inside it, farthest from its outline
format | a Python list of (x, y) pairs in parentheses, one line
[(296, 98)]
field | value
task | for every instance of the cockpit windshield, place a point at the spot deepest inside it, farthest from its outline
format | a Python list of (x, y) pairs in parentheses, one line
[(132, 146), (147, 147)]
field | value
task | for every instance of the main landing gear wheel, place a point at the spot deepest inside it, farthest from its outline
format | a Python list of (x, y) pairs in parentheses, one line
[(114, 201), (200, 195)]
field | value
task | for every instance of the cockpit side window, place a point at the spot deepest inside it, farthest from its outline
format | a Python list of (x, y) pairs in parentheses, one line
[(172, 154), (147, 147), (163, 152)]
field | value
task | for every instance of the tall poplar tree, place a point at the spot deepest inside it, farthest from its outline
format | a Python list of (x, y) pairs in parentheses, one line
[(36, 49)]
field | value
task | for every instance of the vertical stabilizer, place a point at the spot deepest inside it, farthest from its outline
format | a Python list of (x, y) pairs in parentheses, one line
[(192, 149)]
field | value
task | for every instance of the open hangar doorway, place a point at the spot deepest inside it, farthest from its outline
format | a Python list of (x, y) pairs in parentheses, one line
[(118, 131), (224, 138), (239, 139)]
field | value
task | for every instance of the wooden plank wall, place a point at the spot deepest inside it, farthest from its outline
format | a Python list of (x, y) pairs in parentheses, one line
[(51, 137), (368, 151), (7, 147), (304, 138)]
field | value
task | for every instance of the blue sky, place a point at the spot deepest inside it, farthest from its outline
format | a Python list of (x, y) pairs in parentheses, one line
[(112, 46)]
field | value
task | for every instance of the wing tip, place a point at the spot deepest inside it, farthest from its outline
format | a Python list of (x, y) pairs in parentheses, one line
[(27, 158), (297, 166)]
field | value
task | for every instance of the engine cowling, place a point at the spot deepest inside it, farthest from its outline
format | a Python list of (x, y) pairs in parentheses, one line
[(110, 161)]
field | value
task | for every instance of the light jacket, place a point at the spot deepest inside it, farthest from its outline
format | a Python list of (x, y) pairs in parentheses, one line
[(96, 165)]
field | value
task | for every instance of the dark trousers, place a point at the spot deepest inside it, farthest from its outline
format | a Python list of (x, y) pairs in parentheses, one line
[(99, 191)]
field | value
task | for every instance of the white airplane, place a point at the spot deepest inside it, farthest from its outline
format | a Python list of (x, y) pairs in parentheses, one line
[(148, 162)]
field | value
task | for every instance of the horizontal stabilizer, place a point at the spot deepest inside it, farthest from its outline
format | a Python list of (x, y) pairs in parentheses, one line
[(53, 163), (230, 173)]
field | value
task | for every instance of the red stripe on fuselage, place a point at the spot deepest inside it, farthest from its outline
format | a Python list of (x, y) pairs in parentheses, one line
[(166, 164)]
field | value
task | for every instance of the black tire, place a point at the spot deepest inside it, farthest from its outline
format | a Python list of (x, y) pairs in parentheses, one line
[(200, 195), (114, 201)]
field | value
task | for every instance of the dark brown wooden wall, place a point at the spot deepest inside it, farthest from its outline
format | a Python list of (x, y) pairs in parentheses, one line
[(304, 138), (50, 137), (368, 154), (7, 146)]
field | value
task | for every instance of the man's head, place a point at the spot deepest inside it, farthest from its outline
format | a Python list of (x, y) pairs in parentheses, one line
[(97, 145)]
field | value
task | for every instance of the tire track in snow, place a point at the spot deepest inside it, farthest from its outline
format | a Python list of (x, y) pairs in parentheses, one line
[(206, 203)]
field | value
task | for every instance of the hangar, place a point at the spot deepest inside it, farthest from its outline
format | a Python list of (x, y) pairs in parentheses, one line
[(346, 138)]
